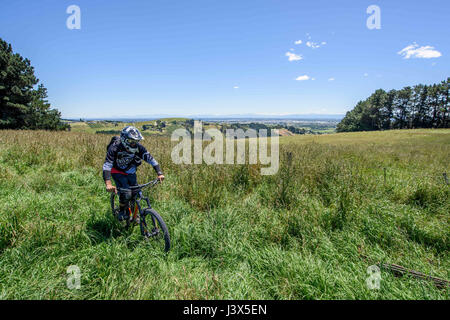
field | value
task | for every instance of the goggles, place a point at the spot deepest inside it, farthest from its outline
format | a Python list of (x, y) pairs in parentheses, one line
[(131, 142)]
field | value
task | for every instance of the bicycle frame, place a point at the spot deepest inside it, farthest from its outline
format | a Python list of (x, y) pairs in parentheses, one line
[(138, 212), (135, 202)]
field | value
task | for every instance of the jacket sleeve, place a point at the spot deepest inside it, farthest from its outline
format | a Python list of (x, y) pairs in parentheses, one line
[(147, 157), (108, 164)]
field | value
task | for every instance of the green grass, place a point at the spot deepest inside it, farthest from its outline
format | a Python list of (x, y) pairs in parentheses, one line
[(308, 232)]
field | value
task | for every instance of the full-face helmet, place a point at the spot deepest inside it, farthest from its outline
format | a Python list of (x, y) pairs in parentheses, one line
[(130, 137)]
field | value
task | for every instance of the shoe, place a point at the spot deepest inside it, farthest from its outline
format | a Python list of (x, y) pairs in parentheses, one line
[(122, 216)]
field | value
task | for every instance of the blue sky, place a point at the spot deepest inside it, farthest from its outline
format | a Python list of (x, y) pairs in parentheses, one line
[(138, 58)]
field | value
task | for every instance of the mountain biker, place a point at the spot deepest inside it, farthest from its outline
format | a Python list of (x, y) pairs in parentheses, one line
[(123, 156)]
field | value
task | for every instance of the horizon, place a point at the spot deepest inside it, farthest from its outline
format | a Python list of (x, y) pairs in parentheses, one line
[(139, 59), (293, 116), (224, 117)]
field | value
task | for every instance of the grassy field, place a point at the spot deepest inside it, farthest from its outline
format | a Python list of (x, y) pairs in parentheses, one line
[(338, 204)]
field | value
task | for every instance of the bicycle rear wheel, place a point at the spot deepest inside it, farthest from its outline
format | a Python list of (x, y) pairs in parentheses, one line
[(154, 228)]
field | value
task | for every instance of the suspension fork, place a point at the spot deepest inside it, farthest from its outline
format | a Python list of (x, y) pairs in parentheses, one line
[(148, 202), (150, 206), (142, 222), (138, 201)]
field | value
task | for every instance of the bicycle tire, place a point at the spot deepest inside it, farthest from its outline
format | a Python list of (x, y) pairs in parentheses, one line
[(155, 216)]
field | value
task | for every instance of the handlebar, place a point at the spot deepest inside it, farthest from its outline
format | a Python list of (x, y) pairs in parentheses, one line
[(140, 186)]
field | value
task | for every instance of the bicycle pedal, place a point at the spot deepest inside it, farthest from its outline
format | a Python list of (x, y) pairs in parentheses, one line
[(134, 221)]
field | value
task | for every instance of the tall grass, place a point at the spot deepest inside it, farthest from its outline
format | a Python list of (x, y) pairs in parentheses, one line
[(338, 204)]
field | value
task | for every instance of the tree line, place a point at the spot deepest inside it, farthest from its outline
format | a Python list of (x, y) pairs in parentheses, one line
[(420, 106), (23, 103)]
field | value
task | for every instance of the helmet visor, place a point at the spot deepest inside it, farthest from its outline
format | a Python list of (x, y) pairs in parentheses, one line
[(132, 143)]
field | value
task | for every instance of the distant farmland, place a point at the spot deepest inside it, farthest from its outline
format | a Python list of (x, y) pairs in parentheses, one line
[(165, 126)]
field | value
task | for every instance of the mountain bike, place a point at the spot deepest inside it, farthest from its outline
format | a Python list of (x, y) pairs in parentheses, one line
[(155, 229)]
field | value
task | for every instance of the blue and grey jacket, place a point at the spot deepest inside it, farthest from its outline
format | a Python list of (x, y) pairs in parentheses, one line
[(119, 160)]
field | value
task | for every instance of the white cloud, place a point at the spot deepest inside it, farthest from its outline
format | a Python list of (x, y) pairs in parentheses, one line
[(235, 87), (414, 51), (302, 78), (293, 56), (313, 79), (315, 45), (298, 42), (331, 79)]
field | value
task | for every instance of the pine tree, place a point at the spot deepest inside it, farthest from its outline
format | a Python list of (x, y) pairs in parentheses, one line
[(421, 106), (21, 105)]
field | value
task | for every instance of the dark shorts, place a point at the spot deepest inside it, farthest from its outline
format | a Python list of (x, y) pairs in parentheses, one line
[(124, 181)]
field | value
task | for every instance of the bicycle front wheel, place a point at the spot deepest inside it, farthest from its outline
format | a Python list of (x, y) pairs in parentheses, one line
[(154, 228)]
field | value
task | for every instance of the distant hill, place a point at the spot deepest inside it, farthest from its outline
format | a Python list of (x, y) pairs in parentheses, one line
[(246, 116), (272, 117), (166, 126)]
